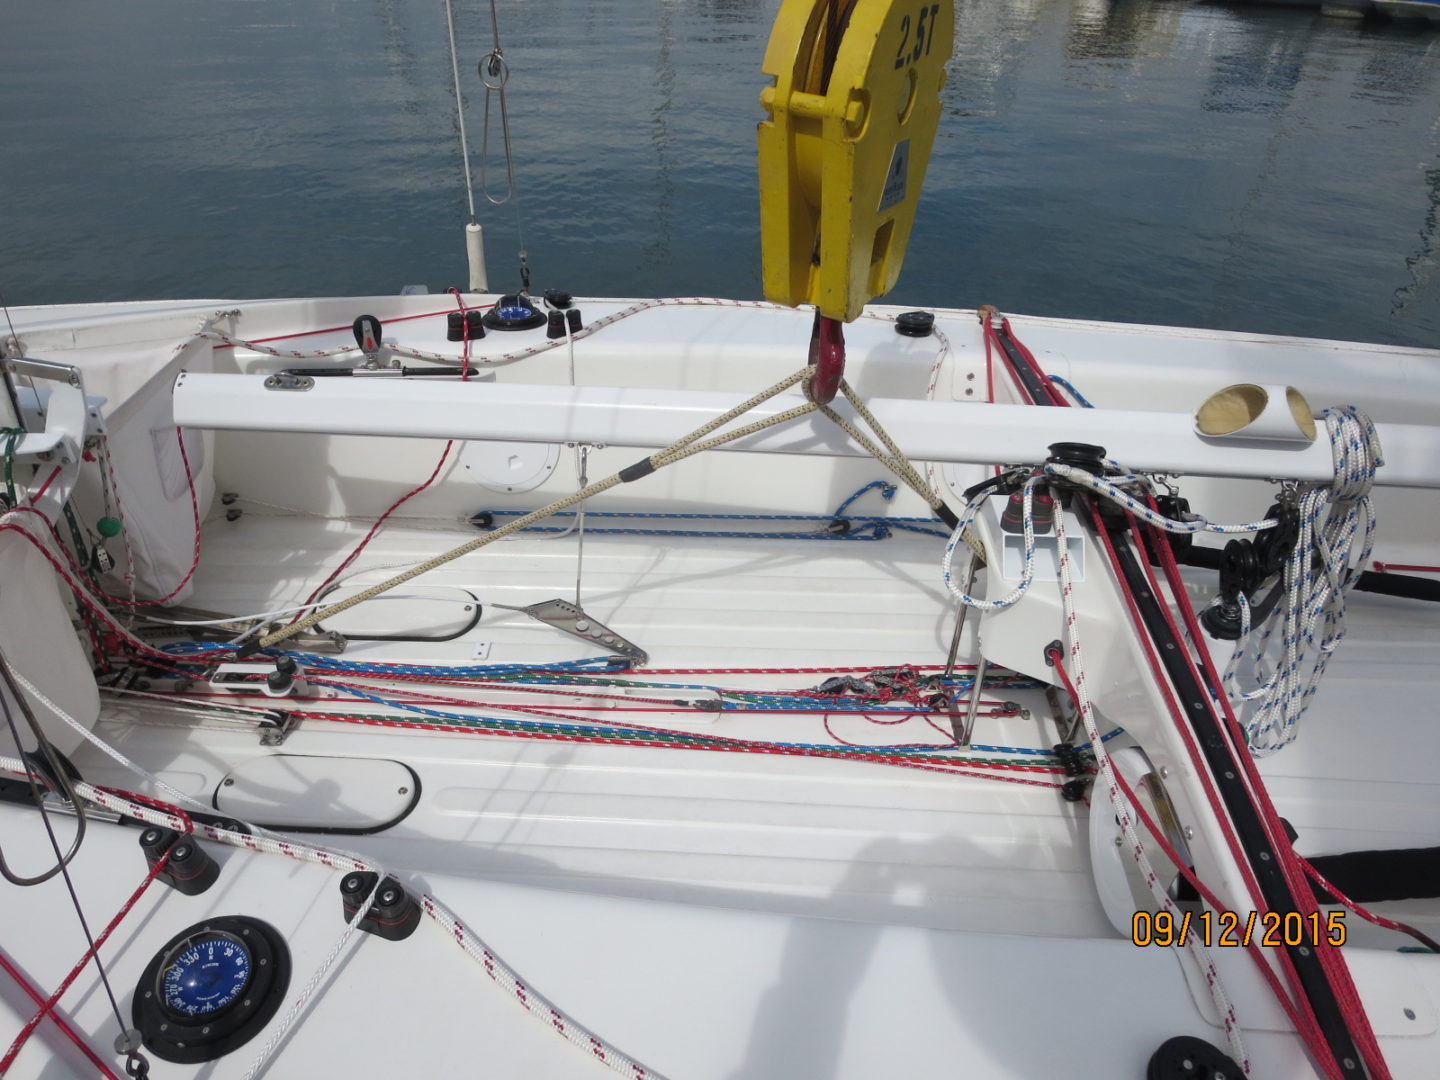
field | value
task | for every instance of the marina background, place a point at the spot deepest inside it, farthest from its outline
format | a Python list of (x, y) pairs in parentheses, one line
[(1231, 166)]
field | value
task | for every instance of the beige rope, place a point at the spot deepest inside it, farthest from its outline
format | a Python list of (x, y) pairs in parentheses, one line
[(895, 460), (676, 451), (691, 444)]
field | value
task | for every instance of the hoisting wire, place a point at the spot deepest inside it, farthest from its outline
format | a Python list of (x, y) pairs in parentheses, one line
[(14, 337), (460, 109), (494, 75)]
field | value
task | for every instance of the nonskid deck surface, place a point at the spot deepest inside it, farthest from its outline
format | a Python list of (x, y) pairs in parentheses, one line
[(835, 838)]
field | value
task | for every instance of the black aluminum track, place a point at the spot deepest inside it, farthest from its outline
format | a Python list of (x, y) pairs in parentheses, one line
[(1028, 376), (1209, 730)]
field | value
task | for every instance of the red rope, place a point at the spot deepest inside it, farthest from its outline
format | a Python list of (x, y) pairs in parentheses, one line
[(1332, 962), (990, 333), (1365, 913), (51, 479), (1304, 1023), (989, 363), (792, 670), (83, 595), (465, 334), (337, 329), (47, 1008), (1298, 1008), (354, 554), (194, 513), (950, 769), (66, 1029)]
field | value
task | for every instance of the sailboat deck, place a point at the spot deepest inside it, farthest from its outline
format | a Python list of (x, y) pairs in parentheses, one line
[(833, 838)]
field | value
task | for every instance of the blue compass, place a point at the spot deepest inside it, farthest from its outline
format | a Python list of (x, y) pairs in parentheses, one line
[(214, 986), (204, 974)]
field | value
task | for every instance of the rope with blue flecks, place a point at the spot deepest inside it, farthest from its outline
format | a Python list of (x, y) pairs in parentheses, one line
[(1321, 569), (1105, 487), (835, 526)]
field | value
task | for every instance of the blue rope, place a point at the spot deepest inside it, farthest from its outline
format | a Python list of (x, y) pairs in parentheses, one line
[(533, 673), (862, 527), (887, 492), (1070, 389), (357, 667), (546, 727)]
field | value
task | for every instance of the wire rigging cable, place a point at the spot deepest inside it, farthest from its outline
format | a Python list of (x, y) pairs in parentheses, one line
[(136, 1064), (460, 108), (494, 73)]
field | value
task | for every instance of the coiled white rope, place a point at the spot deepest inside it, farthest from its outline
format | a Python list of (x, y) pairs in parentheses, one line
[(1027, 574), (1336, 536)]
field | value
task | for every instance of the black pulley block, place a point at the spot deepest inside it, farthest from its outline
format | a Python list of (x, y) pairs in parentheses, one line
[(1187, 1058)]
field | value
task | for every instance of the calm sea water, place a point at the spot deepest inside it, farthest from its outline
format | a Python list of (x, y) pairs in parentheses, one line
[(1162, 161)]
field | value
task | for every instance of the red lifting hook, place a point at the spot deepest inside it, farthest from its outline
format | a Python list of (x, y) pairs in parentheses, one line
[(827, 357)]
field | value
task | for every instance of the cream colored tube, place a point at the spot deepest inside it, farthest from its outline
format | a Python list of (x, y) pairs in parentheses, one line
[(1270, 412)]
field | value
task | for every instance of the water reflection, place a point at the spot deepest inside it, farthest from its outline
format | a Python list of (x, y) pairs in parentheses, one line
[(658, 250), (1162, 161), (1121, 29), (1258, 74), (1399, 73), (990, 41), (1424, 285)]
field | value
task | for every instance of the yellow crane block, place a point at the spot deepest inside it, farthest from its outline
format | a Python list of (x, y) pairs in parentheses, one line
[(851, 121)]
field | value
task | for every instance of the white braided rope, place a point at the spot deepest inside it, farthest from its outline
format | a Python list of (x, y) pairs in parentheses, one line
[(1122, 810), (932, 382), (529, 350), (271, 843), (1106, 487), (536, 1004), (1321, 569), (297, 1005), (1027, 574), (112, 486)]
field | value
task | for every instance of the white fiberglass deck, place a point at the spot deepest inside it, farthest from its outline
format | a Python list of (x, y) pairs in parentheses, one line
[(837, 839), (723, 914)]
